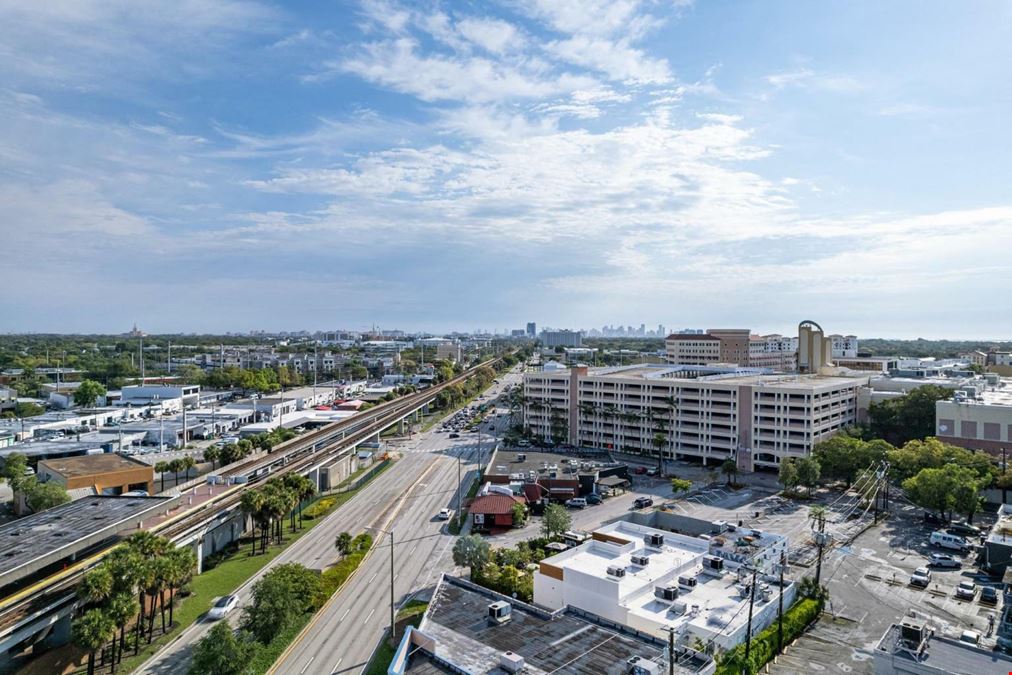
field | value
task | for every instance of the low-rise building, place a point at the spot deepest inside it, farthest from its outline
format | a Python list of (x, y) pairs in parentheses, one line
[(653, 581), (493, 511), (104, 474), (689, 349), (978, 417), (911, 648), (172, 398), (470, 629)]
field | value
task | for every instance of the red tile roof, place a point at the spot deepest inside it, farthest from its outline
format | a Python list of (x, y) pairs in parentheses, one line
[(495, 504)]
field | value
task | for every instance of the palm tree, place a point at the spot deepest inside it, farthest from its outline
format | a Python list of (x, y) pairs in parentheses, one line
[(729, 468), (212, 454), (303, 488), (175, 466), (659, 441), (91, 631), (182, 563), (96, 586), (125, 566), (161, 468), (343, 543), (188, 463), (817, 516), (251, 503), (121, 608)]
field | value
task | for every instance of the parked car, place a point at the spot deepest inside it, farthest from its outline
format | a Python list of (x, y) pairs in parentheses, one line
[(454, 435), (933, 518), (950, 541), (963, 530), (970, 637), (576, 503), (640, 470), (921, 577), (653, 472), (594, 498), (444, 514), (223, 606), (642, 502), (966, 590), (942, 560), (988, 595)]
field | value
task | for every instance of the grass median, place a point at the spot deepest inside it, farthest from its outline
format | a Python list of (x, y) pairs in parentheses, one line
[(409, 615)]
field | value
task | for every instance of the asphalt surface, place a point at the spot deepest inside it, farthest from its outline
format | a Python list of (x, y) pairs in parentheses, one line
[(406, 499)]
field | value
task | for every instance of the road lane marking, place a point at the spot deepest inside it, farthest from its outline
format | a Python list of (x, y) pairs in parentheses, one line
[(373, 577), (336, 665), (344, 615), (371, 612), (305, 667)]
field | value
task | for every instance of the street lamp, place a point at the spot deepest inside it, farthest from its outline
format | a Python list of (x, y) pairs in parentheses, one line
[(393, 625)]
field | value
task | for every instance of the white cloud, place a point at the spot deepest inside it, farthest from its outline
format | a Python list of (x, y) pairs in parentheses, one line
[(807, 78), (616, 59), (492, 35)]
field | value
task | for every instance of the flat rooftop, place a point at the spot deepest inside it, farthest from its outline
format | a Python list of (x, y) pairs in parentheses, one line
[(506, 462), (28, 544), (944, 655), (89, 465), (566, 642)]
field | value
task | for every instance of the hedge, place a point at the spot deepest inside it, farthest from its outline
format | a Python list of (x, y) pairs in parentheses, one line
[(335, 576), (764, 645), (318, 509)]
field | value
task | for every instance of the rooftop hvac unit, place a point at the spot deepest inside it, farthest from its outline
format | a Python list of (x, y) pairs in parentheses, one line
[(640, 560), (616, 571), (637, 665), (678, 608), (912, 633), (654, 540), (687, 582), (713, 565), (668, 593), (511, 663), (499, 612)]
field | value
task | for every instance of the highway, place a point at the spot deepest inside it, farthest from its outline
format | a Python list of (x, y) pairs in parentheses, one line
[(348, 629), (407, 497)]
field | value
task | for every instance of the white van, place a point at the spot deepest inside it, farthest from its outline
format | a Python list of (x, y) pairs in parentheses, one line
[(950, 541)]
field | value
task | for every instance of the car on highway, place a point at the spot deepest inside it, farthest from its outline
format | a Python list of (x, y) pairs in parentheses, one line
[(642, 502), (988, 595), (967, 590), (944, 561), (444, 514), (921, 577), (223, 606), (576, 503)]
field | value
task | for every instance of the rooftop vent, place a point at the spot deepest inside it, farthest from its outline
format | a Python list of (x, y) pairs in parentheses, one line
[(499, 612), (667, 593), (654, 540), (511, 663), (687, 582), (616, 571), (640, 560)]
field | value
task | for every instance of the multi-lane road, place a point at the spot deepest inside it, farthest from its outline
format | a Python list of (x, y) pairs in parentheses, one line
[(405, 499)]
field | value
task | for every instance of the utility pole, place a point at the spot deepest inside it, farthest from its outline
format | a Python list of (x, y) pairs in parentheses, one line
[(460, 486), (748, 631), (1004, 489), (168, 360), (780, 614), (671, 648)]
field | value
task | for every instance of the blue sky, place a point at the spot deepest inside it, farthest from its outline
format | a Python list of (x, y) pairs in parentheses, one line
[(212, 165)]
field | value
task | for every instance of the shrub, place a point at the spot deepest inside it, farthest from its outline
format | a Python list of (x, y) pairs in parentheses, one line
[(764, 645), (320, 508)]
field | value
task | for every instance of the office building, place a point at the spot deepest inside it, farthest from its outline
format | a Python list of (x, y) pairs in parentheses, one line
[(561, 338), (532, 330), (844, 346), (707, 413), (732, 346), (687, 349), (652, 581)]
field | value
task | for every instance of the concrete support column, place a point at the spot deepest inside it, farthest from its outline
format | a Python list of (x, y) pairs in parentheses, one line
[(198, 550), (403, 426), (314, 476)]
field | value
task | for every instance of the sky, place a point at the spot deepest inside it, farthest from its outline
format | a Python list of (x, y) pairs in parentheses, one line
[(223, 165)]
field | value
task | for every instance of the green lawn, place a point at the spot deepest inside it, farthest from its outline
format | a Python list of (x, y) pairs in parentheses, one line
[(229, 573), (410, 614)]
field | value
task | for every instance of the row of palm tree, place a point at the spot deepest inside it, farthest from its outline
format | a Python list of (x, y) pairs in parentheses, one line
[(175, 466), (132, 582), (268, 505)]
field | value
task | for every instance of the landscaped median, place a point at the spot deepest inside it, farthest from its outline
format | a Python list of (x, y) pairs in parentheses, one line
[(409, 615)]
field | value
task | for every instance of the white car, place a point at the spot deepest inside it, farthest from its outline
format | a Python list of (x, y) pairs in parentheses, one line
[(221, 608), (445, 514), (966, 590), (921, 577)]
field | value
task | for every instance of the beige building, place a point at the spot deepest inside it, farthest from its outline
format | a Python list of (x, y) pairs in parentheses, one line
[(732, 346), (977, 417), (105, 474), (449, 351), (691, 349), (708, 413)]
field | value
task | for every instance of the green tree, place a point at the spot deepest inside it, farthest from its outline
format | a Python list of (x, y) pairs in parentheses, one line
[(843, 457), (15, 471), (788, 474), (182, 563), (908, 417), (44, 496), (343, 543), (730, 469), (162, 468), (96, 586), (934, 489), (808, 472), (680, 485), (906, 461), (278, 599), (222, 652), (659, 441), (519, 515), (92, 630), (88, 392), (28, 409), (121, 607), (555, 520), (472, 552), (175, 466), (212, 455)]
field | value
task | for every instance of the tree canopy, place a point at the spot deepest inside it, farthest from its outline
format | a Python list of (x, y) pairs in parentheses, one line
[(555, 520), (908, 417), (843, 457)]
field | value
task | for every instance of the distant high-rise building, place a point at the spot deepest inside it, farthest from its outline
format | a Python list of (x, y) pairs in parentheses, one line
[(532, 329), (561, 338)]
